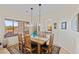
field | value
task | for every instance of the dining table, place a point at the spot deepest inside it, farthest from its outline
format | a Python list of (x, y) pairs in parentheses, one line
[(40, 41)]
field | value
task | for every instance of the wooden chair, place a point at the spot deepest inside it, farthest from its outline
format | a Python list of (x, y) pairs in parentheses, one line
[(42, 34), (29, 47), (48, 48), (20, 41)]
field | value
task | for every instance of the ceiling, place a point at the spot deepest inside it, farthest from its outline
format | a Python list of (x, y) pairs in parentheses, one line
[(23, 11)]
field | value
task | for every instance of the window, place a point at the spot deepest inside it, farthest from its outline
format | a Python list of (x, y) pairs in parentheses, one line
[(8, 28), (15, 27), (64, 25), (11, 28), (26, 28)]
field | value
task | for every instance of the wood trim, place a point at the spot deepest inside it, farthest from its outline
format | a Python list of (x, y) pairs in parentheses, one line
[(78, 22)]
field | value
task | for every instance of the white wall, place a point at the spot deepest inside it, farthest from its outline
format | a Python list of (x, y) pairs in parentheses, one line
[(1, 29), (12, 40), (66, 39)]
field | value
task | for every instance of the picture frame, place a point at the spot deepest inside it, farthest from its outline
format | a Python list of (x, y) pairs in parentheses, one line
[(55, 25), (64, 25), (49, 27), (75, 23)]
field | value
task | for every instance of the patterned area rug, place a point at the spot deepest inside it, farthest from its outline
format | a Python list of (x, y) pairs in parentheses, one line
[(15, 50)]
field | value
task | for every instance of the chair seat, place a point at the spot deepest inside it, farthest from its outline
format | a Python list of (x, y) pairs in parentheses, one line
[(44, 49), (33, 45), (45, 46)]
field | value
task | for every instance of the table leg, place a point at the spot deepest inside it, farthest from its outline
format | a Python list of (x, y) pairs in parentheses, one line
[(38, 48)]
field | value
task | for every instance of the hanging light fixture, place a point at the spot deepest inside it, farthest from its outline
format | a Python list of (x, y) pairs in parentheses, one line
[(39, 13), (31, 15), (39, 18), (31, 18), (26, 14)]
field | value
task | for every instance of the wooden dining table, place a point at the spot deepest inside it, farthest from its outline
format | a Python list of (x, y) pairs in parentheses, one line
[(39, 41)]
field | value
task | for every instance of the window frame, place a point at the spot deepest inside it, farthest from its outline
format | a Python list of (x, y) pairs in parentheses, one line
[(5, 35), (13, 20)]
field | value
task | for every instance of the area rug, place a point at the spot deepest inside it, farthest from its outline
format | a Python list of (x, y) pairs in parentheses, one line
[(15, 50)]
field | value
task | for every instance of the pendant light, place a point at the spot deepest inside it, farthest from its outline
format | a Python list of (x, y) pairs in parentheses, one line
[(39, 13), (39, 17), (31, 18), (31, 15)]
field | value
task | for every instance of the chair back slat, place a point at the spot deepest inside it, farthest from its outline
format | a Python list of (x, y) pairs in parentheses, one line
[(50, 46), (27, 41), (20, 37), (20, 41)]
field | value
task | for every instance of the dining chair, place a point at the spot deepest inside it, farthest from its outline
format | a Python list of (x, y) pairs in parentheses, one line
[(20, 41), (29, 47), (42, 34), (48, 47)]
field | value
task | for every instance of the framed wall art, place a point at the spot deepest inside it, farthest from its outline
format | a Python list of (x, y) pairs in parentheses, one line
[(75, 23), (64, 25), (55, 25)]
